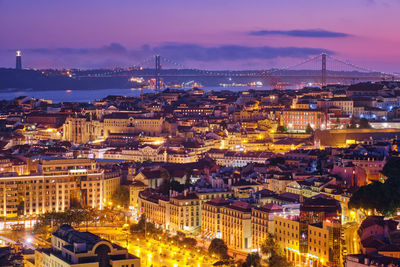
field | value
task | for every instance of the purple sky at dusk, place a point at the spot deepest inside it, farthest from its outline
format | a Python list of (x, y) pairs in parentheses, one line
[(213, 34)]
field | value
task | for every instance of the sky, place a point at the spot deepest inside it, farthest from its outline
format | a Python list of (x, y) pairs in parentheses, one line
[(207, 34)]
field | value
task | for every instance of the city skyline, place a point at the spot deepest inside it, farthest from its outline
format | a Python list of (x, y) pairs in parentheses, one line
[(206, 34)]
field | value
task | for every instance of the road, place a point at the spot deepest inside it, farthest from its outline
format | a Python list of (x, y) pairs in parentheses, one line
[(351, 239)]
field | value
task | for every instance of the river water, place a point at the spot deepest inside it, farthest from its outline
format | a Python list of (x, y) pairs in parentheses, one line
[(90, 95)]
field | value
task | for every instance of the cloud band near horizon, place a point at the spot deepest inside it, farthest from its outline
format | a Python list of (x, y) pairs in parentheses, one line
[(311, 33), (116, 54)]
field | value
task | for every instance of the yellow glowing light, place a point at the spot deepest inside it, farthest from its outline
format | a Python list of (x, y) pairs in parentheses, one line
[(110, 203), (158, 142), (350, 142), (98, 141), (18, 53)]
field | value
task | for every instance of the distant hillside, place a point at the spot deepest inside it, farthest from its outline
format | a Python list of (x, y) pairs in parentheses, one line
[(22, 79)]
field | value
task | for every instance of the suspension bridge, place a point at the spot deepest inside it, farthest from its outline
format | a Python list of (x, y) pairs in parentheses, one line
[(321, 69)]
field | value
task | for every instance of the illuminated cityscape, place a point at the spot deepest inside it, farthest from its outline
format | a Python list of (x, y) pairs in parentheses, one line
[(142, 133)]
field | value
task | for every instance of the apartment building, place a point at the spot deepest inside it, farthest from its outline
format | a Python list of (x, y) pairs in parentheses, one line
[(298, 119), (324, 248), (211, 218), (134, 189), (236, 225), (371, 164), (287, 235), (345, 104), (180, 212), (56, 185), (184, 212), (319, 246), (154, 207), (262, 223)]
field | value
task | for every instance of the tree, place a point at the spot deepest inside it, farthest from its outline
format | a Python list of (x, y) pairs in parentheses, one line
[(164, 173), (177, 186), (50, 220), (309, 129), (337, 122), (121, 196), (268, 246), (252, 260), (188, 174), (392, 167), (189, 242), (166, 182), (165, 187), (364, 124), (281, 129), (276, 260), (140, 226), (224, 125), (275, 256), (218, 247), (381, 197), (353, 123), (144, 227)]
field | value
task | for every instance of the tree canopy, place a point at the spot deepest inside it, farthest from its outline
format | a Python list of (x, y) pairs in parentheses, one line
[(392, 167), (144, 227), (252, 260), (56, 219), (268, 246), (275, 256), (309, 129), (381, 197), (121, 196), (219, 248), (281, 129), (364, 124)]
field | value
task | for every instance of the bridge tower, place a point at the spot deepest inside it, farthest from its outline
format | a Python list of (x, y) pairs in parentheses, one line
[(323, 70), (158, 71)]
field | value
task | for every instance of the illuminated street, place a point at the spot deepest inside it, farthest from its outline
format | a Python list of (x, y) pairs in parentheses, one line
[(351, 238), (155, 252)]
